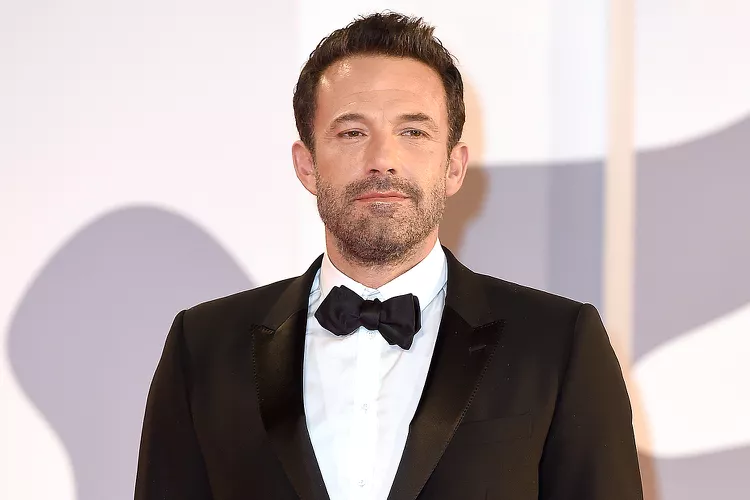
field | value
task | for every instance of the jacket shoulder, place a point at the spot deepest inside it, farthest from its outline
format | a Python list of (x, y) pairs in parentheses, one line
[(236, 310), (539, 323), (484, 298), (524, 301)]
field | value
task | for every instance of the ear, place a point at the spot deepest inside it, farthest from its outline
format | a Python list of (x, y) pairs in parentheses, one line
[(304, 166), (457, 164)]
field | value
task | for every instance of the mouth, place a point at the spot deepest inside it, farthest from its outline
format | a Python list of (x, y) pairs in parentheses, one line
[(387, 196)]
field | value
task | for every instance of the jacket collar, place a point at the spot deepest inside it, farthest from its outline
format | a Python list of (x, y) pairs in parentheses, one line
[(462, 295)]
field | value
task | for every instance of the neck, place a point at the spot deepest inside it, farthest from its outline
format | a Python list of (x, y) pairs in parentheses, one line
[(377, 275)]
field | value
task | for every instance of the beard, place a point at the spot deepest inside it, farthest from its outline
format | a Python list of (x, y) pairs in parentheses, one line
[(379, 233)]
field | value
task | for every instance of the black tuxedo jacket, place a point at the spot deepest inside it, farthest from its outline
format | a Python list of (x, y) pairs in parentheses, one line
[(524, 400)]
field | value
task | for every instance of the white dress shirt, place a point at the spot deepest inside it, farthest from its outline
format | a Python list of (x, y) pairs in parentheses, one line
[(360, 393)]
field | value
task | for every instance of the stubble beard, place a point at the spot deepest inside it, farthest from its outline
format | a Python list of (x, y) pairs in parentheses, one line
[(379, 234)]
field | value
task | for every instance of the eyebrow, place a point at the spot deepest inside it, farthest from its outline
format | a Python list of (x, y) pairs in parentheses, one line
[(406, 117), (421, 118), (346, 117)]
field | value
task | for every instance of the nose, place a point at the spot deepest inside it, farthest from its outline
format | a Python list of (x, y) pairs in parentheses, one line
[(382, 154)]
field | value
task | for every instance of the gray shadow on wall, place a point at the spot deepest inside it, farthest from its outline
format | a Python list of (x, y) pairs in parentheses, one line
[(692, 234), (86, 339), (714, 476), (538, 225), (692, 266)]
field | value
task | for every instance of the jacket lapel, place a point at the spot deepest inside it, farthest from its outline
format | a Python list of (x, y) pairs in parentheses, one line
[(468, 335), (467, 339), (277, 358)]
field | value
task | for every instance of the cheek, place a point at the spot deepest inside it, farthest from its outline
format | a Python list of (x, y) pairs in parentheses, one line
[(337, 163), (329, 179), (432, 186), (429, 156), (423, 153)]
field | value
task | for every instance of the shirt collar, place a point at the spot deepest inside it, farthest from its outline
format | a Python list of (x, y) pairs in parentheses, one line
[(424, 280)]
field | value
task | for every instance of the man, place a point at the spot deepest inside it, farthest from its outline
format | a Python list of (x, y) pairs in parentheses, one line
[(388, 369)]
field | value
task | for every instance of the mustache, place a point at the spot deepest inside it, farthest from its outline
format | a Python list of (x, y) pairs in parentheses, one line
[(380, 183)]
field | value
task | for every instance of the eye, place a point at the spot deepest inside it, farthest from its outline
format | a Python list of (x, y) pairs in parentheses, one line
[(351, 134), (413, 132)]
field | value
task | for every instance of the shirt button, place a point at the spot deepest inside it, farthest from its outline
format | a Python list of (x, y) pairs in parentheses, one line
[(361, 482), (364, 407)]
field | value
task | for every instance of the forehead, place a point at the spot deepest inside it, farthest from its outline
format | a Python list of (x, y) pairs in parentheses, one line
[(380, 83)]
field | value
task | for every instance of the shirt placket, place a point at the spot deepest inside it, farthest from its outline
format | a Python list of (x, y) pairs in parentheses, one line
[(364, 418)]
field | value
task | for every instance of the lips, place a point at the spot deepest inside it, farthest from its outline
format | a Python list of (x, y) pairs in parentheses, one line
[(384, 196)]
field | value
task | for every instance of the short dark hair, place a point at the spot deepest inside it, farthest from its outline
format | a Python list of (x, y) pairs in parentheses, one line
[(388, 34)]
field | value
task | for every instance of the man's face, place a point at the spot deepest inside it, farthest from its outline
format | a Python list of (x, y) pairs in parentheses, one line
[(381, 159)]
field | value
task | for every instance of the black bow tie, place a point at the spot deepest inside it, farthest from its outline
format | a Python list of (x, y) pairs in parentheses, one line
[(397, 319)]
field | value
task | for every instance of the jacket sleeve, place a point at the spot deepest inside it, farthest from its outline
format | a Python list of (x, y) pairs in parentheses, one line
[(590, 451), (170, 464)]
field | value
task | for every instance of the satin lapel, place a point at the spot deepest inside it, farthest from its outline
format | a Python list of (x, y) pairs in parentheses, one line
[(278, 354), (467, 340), (460, 358)]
